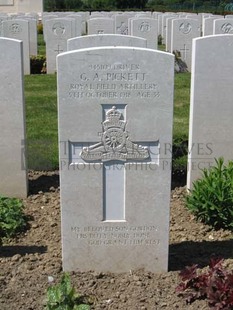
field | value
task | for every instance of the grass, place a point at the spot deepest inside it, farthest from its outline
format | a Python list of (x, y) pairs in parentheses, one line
[(41, 45), (181, 108), (41, 121)]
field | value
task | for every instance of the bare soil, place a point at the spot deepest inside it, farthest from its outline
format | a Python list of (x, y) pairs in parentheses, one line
[(28, 261)]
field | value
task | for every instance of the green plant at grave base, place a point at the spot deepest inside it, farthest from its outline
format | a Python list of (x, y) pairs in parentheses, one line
[(63, 297), (160, 39), (211, 199), (12, 218), (214, 284), (38, 64)]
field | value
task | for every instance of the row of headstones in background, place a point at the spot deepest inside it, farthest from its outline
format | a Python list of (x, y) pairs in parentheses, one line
[(59, 30), (178, 30), (13, 167), (146, 28), (25, 29), (32, 19)]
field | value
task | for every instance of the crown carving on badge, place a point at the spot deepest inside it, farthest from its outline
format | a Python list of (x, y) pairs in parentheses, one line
[(113, 119)]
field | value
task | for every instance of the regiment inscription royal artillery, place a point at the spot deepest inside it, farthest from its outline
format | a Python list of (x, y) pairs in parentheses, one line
[(115, 143)]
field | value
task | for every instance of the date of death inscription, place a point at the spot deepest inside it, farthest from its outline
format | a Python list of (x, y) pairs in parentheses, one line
[(116, 236)]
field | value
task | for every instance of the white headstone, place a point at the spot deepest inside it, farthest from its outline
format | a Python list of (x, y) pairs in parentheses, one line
[(104, 40), (19, 29), (208, 25), (100, 25), (168, 42), (184, 30), (223, 26), (2, 18), (58, 31), (13, 171), (45, 18), (32, 35), (115, 120), (146, 28), (211, 109), (78, 24), (164, 25), (121, 24), (85, 17)]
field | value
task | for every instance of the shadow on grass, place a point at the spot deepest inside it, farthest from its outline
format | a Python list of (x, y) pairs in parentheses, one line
[(43, 183), (189, 252), (11, 250)]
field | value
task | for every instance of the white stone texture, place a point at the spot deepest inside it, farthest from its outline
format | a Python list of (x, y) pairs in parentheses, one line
[(100, 25), (164, 18), (168, 42), (115, 214), (208, 25), (78, 24), (184, 30), (19, 30), (121, 24), (58, 31), (223, 26), (104, 40), (13, 167), (146, 28), (32, 35), (211, 109)]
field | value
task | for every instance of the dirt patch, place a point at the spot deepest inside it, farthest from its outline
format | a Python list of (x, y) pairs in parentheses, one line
[(28, 261)]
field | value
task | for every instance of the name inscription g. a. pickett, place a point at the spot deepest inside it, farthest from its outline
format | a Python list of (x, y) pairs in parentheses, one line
[(112, 81)]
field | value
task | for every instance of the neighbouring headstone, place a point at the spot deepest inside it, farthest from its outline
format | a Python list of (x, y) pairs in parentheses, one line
[(58, 31), (115, 129), (78, 24), (2, 18), (32, 35), (19, 30), (45, 18), (146, 28), (211, 109), (100, 25), (184, 30), (121, 24), (208, 25), (168, 42), (164, 25), (104, 40), (13, 167), (223, 26)]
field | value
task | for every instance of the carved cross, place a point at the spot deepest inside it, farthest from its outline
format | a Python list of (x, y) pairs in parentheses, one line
[(114, 151), (184, 52), (58, 50)]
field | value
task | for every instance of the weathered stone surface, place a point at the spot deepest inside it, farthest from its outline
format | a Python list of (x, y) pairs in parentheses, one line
[(13, 172)]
